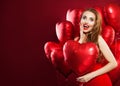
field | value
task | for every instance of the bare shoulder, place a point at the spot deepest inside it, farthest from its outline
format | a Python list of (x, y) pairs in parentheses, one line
[(102, 42), (100, 39)]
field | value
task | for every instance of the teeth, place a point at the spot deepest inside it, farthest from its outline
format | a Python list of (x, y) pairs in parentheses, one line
[(85, 26)]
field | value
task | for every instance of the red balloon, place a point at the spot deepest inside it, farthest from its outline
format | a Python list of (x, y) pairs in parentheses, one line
[(49, 47), (115, 74), (112, 12), (64, 31), (54, 53), (58, 61), (117, 35), (74, 15), (80, 57), (108, 34)]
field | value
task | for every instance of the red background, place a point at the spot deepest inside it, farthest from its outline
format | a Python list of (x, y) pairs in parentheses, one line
[(26, 25)]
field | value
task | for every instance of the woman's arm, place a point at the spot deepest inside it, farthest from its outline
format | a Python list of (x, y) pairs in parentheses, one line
[(108, 56), (108, 67)]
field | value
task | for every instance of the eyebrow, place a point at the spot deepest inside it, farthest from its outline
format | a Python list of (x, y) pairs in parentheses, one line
[(90, 17), (84, 16)]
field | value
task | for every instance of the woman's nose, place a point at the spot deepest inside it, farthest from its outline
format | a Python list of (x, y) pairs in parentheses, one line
[(86, 21)]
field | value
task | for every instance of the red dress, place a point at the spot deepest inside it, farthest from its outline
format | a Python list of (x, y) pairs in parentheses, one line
[(102, 80)]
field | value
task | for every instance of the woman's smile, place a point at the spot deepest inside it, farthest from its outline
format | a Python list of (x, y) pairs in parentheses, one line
[(85, 26), (87, 21)]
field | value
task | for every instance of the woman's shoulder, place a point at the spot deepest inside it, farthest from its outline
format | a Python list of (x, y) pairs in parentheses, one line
[(101, 41), (100, 38)]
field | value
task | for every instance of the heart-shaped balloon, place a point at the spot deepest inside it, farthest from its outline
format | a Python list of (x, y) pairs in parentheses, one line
[(58, 61), (115, 74), (73, 15), (54, 53), (50, 47), (80, 57), (108, 34), (64, 31), (111, 12)]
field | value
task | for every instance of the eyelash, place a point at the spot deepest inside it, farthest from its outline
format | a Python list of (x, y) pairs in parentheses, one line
[(84, 17), (91, 19)]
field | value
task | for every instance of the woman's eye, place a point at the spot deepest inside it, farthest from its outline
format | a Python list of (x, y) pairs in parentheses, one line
[(84, 17), (91, 19)]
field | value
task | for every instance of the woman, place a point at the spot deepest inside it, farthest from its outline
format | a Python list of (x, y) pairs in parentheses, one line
[(90, 28)]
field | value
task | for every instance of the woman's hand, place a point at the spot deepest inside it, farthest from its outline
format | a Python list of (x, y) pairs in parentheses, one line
[(83, 37), (76, 38), (85, 78)]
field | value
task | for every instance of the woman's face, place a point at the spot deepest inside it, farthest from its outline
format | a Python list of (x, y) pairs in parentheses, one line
[(87, 21)]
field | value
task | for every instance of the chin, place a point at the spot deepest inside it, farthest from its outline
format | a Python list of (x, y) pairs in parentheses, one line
[(86, 31)]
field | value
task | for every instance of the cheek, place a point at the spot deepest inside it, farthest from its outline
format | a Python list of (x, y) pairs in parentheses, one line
[(81, 22), (92, 24)]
